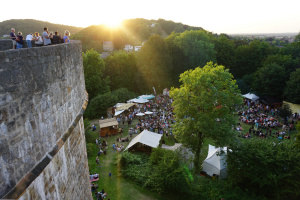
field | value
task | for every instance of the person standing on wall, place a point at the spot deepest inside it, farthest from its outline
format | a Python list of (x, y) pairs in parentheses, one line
[(38, 40), (46, 37), (66, 37), (56, 38), (29, 37), (13, 38), (19, 40)]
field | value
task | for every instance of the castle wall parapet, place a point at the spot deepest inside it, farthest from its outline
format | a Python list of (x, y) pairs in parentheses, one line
[(42, 142)]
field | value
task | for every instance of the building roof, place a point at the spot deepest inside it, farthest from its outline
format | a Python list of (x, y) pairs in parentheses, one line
[(124, 106), (108, 122), (146, 137)]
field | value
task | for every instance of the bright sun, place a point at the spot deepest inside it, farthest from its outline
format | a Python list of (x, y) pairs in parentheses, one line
[(113, 22)]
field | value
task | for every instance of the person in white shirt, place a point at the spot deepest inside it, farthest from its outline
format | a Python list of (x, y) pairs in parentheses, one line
[(38, 40), (29, 37)]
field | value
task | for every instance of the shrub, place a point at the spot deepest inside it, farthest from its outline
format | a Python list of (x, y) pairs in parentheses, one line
[(129, 159), (168, 173), (98, 105), (266, 168), (123, 95), (89, 148)]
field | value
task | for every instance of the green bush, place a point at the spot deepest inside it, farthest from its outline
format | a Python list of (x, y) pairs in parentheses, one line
[(268, 168), (168, 173), (205, 188), (89, 148), (98, 106), (129, 159), (123, 95), (164, 172)]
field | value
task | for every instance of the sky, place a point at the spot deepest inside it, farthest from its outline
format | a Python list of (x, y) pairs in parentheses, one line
[(217, 16)]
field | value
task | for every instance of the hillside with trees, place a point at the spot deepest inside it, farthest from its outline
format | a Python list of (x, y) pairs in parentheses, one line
[(131, 31), (27, 26)]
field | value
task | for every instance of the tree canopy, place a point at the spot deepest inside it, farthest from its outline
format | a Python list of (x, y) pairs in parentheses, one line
[(269, 80), (197, 46), (292, 89), (154, 64), (121, 67), (204, 106), (95, 81), (266, 167)]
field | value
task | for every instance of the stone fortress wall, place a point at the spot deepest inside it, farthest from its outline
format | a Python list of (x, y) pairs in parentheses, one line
[(42, 141), (7, 44)]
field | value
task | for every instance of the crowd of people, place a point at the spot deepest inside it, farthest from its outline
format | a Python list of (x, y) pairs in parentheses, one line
[(159, 121), (99, 195), (264, 121), (47, 38)]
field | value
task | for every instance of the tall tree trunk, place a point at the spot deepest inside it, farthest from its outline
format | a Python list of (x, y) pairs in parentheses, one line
[(198, 151)]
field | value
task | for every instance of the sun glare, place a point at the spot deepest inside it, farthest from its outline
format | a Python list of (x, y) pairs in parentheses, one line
[(113, 23)]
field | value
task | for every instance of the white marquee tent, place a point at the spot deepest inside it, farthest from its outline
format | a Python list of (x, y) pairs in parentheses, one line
[(215, 163), (151, 96), (146, 137), (138, 101), (251, 96)]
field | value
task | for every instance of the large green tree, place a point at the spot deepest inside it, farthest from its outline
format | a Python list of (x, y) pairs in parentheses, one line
[(95, 81), (179, 59), (286, 61), (196, 45), (154, 63), (248, 58), (225, 51), (292, 89), (204, 107), (269, 80), (121, 67)]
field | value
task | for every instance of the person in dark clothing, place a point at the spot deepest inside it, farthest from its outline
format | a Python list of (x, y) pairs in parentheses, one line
[(19, 40), (56, 38)]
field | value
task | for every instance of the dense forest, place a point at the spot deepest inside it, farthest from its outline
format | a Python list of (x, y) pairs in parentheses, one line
[(258, 65), (27, 26)]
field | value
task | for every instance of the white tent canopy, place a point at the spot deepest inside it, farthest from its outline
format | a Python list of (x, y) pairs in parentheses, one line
[(215, 163), (146, 137), (251, 96), (148, 113), (140, 114), (119, 112), (138, 101), (151, 96)]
